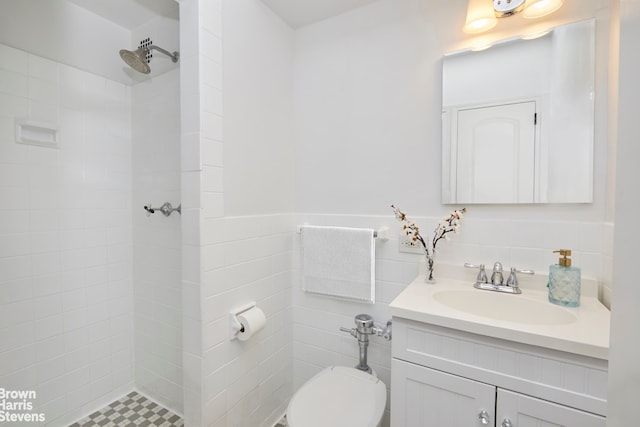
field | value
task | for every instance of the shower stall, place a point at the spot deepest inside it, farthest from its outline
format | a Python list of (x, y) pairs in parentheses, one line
[(90, 296), (102, 296)]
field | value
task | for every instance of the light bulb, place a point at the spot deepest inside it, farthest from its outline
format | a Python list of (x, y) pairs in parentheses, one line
[(480, 17), (539, 8)]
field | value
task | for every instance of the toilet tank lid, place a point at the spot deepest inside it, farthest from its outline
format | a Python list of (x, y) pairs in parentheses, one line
[(339, 397)]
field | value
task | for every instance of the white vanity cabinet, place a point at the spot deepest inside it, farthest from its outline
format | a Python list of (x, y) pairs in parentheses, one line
[(446, 377)]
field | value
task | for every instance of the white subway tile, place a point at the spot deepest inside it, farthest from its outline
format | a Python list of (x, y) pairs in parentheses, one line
[(13, 59), (45, 92), (47, 306), (211, 45), (49, 369), (16, 359), (41, 68), (48, 327), (12, 83), (16, 336)]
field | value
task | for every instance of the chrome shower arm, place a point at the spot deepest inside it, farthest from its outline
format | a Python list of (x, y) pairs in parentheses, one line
[(174, 56)]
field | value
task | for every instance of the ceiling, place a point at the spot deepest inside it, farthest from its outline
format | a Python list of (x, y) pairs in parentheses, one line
[(130, 14), (298, 13)]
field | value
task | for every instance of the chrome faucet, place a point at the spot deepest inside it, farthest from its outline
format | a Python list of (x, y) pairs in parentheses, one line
[(497, 279)]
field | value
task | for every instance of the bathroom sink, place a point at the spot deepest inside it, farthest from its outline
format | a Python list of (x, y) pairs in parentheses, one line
[(528, 318), (504, 307)]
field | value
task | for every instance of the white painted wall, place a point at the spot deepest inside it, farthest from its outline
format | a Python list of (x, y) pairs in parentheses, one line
[(65, 256), (367, 102), (258, 105), (624, 374), (367, 129)]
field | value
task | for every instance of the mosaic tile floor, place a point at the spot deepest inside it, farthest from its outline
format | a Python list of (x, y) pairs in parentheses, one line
[(132, 410)]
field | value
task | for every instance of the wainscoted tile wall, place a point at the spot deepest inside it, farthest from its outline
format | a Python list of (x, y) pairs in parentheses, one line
[(227, 260), (65, 226), (317, 340), (157, 240), (247, 383)]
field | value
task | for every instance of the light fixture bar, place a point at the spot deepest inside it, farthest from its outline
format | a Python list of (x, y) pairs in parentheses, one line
[(504, 8)]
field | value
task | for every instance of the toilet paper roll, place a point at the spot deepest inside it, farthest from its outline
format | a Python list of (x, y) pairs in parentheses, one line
[(252, 321)]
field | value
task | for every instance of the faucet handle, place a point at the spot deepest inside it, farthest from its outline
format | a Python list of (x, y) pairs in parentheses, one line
[(496, 276), (513, 279), (482, 274)]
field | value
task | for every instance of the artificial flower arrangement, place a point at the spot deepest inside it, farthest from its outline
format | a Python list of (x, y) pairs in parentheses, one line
[(444, 227)]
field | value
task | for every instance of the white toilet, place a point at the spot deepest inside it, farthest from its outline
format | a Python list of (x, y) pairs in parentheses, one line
[(338, 397)]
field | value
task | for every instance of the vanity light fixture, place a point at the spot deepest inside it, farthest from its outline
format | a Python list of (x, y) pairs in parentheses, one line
[(539, 8), (482, 17), (504, 8)]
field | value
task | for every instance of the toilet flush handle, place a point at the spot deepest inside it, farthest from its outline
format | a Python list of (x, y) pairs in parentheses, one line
[(352, 331)]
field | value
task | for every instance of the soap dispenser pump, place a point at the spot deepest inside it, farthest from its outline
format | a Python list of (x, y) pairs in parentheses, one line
[(564, 281)]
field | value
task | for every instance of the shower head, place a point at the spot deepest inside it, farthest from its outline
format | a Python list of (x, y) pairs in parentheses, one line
[(136, 60), (139, 59)]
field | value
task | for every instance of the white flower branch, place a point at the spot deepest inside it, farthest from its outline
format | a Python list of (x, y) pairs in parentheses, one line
[(450, 224)]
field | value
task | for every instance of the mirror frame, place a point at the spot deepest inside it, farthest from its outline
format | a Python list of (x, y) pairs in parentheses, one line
[(565, 136)]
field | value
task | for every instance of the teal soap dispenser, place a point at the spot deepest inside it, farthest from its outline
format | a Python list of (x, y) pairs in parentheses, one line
[(564, 281)]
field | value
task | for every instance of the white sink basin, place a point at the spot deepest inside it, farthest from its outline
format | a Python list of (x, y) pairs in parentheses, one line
[(504, 307), (528, 318)]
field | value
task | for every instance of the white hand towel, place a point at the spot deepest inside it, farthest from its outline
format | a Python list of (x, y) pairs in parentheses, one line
[(339, 261)]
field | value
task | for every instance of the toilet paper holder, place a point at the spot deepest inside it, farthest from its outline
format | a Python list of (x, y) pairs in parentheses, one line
[(235, 327)]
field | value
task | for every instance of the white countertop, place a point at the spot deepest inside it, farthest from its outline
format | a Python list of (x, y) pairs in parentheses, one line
[(587, 334)]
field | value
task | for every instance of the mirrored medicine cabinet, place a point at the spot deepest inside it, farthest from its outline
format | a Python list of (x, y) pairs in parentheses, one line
[(518, 120)]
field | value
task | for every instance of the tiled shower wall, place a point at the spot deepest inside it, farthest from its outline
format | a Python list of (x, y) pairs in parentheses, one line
[(65, 226), (157, 240)]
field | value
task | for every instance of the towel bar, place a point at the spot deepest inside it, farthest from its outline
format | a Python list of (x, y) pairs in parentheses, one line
[(382, 233)]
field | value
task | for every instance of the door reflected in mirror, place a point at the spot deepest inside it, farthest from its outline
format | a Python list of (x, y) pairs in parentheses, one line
[(518, 123)]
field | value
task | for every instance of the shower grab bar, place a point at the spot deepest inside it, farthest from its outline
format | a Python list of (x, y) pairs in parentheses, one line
[(166, 209)]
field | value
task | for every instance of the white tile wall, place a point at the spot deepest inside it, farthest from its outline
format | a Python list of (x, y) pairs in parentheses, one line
[(229, 260), (65, 239), (194, 154), (247, 383), (157, 240), (317, 341)]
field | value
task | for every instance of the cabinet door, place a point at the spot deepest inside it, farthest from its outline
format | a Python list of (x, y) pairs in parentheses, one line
[(525, 411), (425, 397)]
